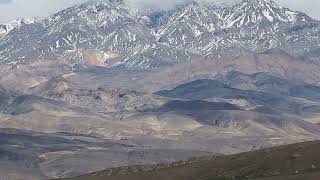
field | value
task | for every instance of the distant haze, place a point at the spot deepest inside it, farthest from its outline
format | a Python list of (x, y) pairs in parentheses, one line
[(13, 9)]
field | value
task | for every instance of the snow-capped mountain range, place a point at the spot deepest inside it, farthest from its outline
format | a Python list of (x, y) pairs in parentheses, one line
[(6, 28), (142, 40)]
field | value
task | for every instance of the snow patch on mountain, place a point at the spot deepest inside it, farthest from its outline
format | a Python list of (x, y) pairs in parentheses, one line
[(6, 28), (144, 39)]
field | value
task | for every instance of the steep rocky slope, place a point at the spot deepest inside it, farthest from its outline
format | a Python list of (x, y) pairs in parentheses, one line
[(6, 28), (140, 40)]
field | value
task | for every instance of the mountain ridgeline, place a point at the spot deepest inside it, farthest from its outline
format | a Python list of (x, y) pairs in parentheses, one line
[(138, 39)]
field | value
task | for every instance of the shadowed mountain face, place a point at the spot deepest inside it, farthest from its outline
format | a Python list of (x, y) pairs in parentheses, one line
[(294, 162), (260, 84), (214, 103), (269, 83), (212, 89), (200, 89), (197, 106)]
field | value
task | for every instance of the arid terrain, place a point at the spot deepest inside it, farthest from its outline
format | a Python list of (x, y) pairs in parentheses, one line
[(294, 162), (101, 85)]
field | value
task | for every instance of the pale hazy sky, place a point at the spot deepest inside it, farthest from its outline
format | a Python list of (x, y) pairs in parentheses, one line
[(13, 9)]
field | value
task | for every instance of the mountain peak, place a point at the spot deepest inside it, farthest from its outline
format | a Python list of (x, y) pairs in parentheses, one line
[(141, 39), (258, 2), (6, 28), (250, 12)]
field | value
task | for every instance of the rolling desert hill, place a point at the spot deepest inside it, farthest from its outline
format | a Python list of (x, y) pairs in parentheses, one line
[(293, 162), (204, 116)]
